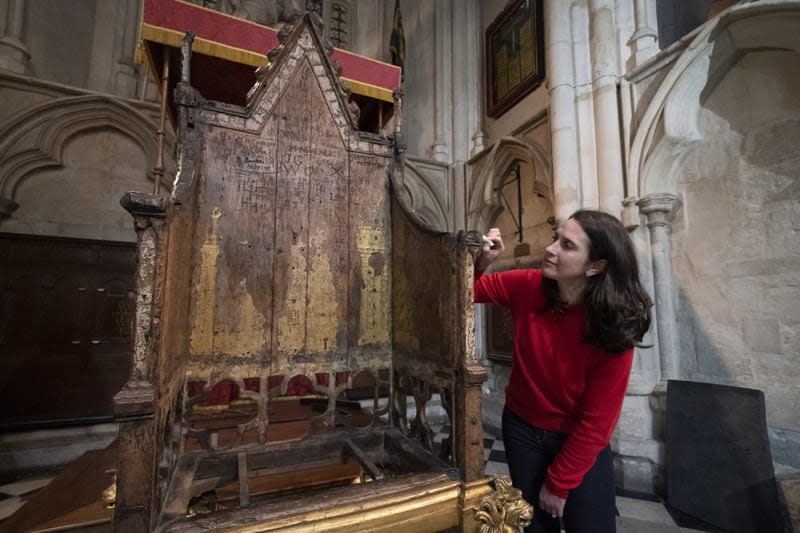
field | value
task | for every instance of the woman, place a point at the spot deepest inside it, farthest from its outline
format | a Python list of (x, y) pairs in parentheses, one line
[(576, 321)]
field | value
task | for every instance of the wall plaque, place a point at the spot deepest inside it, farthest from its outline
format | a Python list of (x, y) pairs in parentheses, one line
[(514, 55)]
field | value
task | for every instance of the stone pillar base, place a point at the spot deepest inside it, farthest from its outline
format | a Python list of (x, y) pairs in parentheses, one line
[(638, 475)]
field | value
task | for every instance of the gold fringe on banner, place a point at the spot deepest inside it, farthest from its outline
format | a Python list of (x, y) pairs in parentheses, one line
[(238, 55)]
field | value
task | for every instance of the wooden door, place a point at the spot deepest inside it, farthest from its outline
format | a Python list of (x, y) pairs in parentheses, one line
[(65, 327)]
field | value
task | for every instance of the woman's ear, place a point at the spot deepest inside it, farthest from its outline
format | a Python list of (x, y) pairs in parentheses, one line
[(596, 267)]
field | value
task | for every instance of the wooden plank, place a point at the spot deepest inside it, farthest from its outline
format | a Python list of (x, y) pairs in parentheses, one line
[(244, 491), (92, 514), (70, 495), (276, 433), (327, 248), (233, 300), (291, 226), (374, 471), (370, 252), (299, 478)]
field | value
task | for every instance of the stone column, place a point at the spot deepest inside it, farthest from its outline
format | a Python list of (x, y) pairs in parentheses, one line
[(644, 40), (13, 53), (466, 79), (660, 209), (475, 92), (603, 51), (638, 440), (563, 121), (125, 76), (443, 84)]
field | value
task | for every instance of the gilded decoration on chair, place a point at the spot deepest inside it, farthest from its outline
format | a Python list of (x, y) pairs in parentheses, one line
[(504, 510)]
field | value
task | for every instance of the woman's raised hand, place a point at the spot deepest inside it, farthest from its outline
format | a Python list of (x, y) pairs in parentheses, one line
[(492, 248)]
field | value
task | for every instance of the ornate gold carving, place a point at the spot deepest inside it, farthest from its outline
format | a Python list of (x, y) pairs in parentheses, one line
[(504, 510)]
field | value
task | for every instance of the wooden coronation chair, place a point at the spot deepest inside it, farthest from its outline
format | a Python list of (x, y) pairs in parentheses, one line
[(288, 306)]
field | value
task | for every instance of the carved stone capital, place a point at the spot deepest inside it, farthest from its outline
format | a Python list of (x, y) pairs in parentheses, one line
[(136, 399), (660, 208), (630, 213), (657, 201)]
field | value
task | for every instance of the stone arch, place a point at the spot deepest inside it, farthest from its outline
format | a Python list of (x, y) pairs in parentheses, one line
[(669, 124), (35, 138), (720, 135), (483, 204), (423, 199)]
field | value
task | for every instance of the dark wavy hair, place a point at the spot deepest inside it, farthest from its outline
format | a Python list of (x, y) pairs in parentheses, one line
[(617, 306)]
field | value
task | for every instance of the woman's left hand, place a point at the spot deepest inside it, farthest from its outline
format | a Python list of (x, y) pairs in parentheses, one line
[(550, 503)]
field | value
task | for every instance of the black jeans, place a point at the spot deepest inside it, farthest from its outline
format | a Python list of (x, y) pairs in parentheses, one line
[(590, 508)]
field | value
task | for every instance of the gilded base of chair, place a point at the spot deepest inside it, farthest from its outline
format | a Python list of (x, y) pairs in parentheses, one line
[(419, 503)]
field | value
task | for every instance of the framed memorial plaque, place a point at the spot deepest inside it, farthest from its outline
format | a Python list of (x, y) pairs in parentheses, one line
[(514, 55)]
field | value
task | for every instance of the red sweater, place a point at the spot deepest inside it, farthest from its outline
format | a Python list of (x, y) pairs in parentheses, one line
[(558, 383)]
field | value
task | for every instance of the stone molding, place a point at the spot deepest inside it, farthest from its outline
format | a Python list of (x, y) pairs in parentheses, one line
[(669, 119), (482, 202), (644, 40), (429, 189), (660, 208), (34, 138), (7, 207), (14, 55)]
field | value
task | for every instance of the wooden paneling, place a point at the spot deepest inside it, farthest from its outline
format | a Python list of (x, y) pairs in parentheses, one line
[(425, 292), (292, 243), (176, 267), (370, 276), (65, 326)]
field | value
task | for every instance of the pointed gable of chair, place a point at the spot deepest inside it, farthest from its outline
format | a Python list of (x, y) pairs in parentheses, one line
[(301, 72)]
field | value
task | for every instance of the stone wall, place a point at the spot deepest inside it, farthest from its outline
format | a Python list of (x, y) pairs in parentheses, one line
[(736, 247), (67, 156), (713, 162)]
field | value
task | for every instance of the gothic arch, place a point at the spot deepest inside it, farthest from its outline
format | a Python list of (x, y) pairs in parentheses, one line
[(422, 198), (483, 204), (35, 138), (670, 123)]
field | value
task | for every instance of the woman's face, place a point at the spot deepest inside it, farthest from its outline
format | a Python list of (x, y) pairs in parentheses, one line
[(567, 258)]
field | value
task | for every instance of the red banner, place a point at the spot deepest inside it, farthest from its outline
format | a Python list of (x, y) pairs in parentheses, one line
[(241, 41)]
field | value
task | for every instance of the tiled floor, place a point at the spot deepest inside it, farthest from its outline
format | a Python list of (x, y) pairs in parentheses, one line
[(636, 515), (494, 453), (14, 495)]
